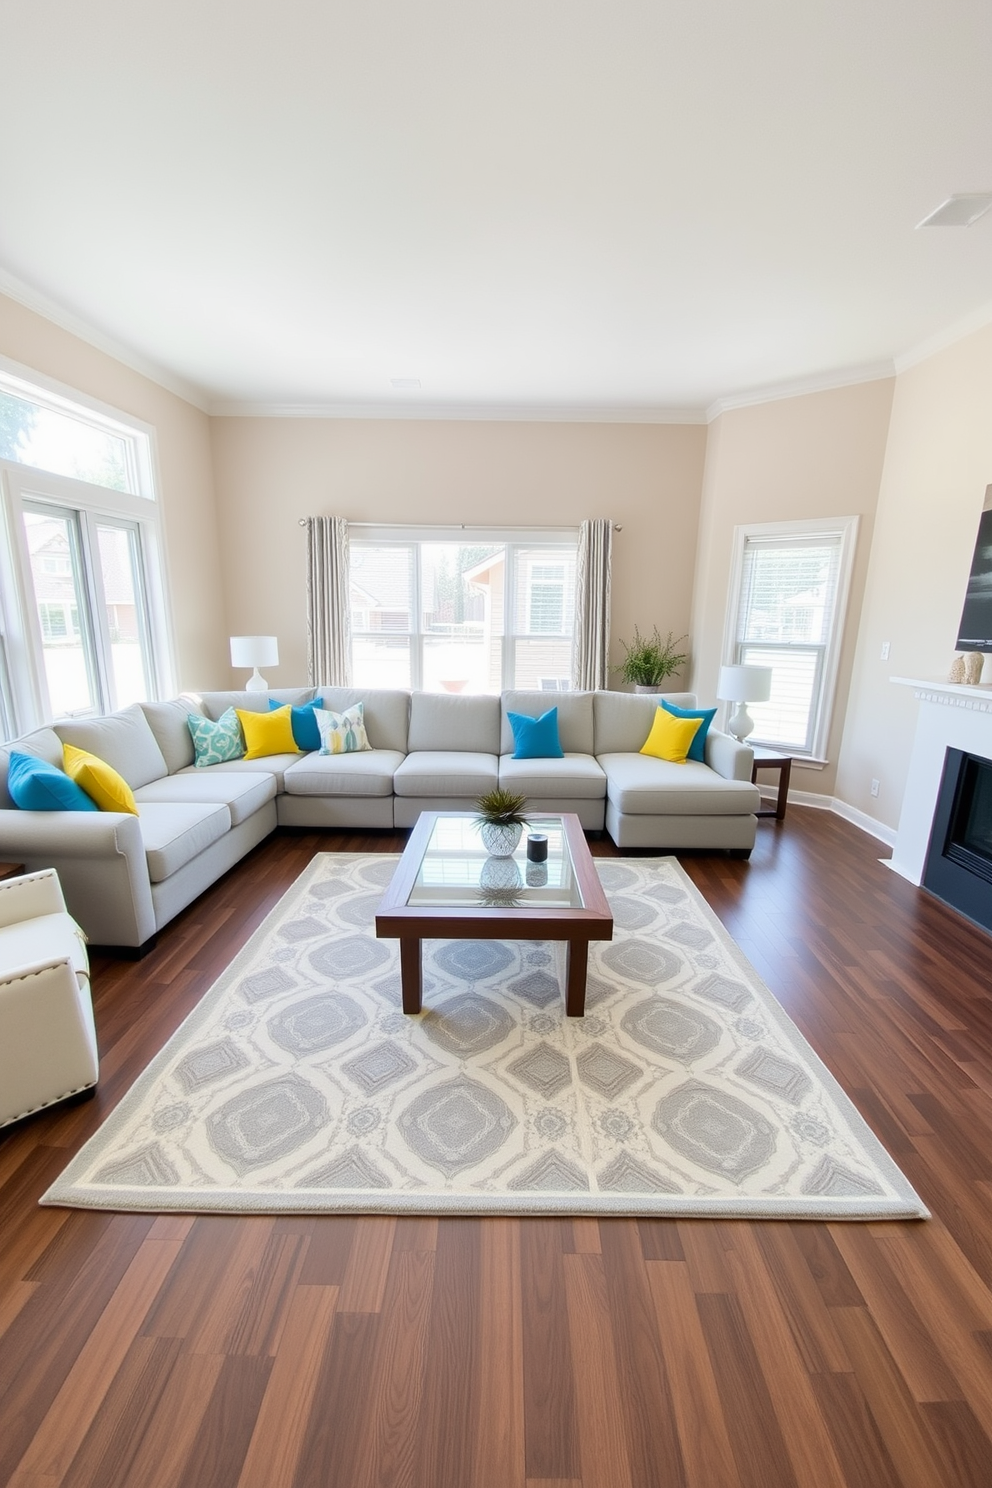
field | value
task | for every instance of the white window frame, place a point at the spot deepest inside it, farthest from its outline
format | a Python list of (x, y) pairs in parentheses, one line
[(846, 530), (514, 539), (139, 438)]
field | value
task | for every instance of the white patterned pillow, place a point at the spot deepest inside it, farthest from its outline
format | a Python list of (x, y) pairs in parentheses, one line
[(213, 743), (342, 733)]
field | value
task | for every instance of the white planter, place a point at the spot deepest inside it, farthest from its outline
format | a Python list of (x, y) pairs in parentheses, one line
[(499, 839)]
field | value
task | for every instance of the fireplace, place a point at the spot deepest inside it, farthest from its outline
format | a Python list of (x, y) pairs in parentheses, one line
[(958, 866)]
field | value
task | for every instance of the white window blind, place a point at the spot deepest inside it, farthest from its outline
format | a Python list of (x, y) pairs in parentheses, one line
[(788, 614)]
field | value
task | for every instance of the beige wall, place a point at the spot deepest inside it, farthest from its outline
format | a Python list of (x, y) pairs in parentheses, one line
[(814, 456), (271, 472), (185, 474), (937, 465)]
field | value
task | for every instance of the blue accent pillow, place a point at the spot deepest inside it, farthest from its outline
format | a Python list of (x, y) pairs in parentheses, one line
[(304, 721), (35, 785), (536, 738), (697, 749)]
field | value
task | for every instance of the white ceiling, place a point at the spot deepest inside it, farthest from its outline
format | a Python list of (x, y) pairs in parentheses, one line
[(583, 205)]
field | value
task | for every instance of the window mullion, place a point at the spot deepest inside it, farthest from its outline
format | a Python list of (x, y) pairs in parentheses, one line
[(96, 605)]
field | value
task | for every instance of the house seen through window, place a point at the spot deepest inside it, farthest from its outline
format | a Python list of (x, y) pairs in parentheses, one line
[(458, 616)]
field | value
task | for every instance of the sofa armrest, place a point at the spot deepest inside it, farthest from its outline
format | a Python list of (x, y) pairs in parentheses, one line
[(28, 897), (99, 857), (727, 757)]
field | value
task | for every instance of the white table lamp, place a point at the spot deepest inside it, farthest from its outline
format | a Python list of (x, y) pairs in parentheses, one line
[(255, 652), (742, 685)]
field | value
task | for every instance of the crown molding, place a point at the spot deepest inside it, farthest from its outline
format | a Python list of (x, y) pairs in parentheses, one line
[(959, 331), (818, 382), (33, 299), (565, 413)]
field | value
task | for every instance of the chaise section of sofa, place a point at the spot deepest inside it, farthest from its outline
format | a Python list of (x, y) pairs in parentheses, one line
[(653, 803)]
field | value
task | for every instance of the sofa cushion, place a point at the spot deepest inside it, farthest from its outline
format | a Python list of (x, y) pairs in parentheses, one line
[(670, 737), (342, 733), (108, 789), (35, 785), (536, 738), (306, 734), (44, 744), (575, 718), (576, 776), (455, 721), (697, 749), (242, 794), (365, 772), (273, 764), (123, 740), (641, 786), (174, 833), (447, 772), (623, 719), (215, 741), (386, 712), (267, 733), (168, 722)]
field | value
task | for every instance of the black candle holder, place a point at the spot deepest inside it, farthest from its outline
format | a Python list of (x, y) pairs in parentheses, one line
[(537, 847)]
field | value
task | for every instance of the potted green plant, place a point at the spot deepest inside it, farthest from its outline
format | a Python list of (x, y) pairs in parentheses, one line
[(649, 660), (500, 821)]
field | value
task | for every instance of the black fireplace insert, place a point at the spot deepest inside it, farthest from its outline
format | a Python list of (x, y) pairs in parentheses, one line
[(959, 859)]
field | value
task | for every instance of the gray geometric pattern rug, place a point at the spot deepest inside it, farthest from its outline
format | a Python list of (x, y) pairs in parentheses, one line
[(299, 1085)]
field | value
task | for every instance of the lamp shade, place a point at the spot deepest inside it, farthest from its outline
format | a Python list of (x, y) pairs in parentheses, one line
[(254, 651), (745, 684)]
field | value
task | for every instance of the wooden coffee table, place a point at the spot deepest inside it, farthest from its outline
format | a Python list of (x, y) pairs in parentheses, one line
[(446, 888)]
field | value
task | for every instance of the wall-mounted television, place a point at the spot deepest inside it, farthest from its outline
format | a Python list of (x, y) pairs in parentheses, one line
[(975, 630)]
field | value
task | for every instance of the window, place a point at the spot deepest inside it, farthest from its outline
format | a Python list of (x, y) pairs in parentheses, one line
[(445, 615), (790, 588), (82, 598)]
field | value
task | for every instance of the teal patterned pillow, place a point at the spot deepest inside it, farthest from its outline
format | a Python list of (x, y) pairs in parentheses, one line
[(214, 743), (342, 733)]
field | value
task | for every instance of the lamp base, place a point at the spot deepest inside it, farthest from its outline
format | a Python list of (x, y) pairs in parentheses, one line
[(741, 724), (256, 682)]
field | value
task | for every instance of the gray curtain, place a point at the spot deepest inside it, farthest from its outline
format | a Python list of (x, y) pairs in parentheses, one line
[(591, 642), (328, 607)]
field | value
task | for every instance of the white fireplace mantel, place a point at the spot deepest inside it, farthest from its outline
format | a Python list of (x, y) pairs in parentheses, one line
[(952, 716)]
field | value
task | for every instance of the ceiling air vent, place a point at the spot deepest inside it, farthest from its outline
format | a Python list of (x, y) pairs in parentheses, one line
[(959, 211)]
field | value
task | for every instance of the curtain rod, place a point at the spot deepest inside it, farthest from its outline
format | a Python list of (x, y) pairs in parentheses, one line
[(459, 526)]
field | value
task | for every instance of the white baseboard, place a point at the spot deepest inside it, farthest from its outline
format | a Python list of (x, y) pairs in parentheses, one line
[(849, 813)]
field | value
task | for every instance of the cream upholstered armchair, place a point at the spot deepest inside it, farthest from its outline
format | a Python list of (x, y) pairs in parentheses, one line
[(47, 1039)]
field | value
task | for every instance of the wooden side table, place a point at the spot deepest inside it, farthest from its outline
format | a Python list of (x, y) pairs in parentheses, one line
[(770, 759), (10, 870)]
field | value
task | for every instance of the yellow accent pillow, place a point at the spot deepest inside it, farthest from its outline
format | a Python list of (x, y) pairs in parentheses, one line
[(268, 733), (99, 780), (670, 737)]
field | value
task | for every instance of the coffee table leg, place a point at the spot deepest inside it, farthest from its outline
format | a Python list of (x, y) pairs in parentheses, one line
[(411, 980), (576, 963)]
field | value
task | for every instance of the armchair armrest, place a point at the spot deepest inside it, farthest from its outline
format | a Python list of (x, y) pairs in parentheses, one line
[(727, 757), (29, 896)]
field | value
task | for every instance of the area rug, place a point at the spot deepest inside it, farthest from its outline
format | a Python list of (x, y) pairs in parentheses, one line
[(299, 1085)]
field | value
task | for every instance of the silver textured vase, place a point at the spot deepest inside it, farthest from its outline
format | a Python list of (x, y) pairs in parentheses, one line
[(500, 838)]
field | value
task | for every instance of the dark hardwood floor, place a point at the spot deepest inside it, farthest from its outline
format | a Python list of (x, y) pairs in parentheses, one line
[(469, 1353)]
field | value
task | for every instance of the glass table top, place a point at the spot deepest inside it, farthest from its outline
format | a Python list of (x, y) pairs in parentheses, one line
[(456, 871)]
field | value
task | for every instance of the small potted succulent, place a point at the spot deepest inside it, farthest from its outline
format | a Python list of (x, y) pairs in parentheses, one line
[(648, 660), (500, 821)]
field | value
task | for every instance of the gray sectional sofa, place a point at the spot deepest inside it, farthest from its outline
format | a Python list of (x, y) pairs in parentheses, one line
[(125, 876)]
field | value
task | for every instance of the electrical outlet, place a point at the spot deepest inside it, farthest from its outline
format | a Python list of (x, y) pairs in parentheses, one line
[(885, 654), (874, 787)]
